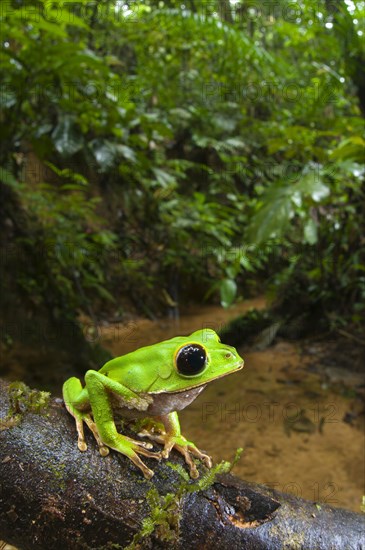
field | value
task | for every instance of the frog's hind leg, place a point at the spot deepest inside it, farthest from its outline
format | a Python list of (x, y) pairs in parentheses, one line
[(76, 397)]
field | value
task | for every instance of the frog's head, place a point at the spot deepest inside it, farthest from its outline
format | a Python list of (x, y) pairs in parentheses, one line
[(196, 360)]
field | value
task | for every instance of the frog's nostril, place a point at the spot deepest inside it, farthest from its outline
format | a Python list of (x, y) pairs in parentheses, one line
[(228, 355)]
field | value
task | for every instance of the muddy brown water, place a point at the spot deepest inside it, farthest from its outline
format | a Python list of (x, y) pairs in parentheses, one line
[(289, 423)]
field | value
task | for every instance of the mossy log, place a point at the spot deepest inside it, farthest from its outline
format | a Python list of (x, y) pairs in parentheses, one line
[(53, 496)]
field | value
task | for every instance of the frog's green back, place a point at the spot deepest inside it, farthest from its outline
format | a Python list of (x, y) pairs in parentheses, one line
[(140, 369)]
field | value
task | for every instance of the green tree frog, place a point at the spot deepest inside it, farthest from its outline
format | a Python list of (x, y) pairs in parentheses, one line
[(153, 382)]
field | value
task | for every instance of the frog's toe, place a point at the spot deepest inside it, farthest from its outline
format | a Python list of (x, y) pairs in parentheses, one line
[(206, 459), (153, 435), (141, 447), (189, 461), (138, 449), (103, 450), (141, 465), (82, 445), (170, 443), (143, 444), (145, 452), (208, 462)]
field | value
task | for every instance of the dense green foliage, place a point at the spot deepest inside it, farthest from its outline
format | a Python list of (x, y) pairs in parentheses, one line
[(161, 150)]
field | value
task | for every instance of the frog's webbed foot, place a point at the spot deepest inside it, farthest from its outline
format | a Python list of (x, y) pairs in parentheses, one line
[(174, 440), (186, 448)]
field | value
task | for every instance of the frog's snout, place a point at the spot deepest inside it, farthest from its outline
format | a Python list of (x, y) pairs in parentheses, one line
[(231, 356)]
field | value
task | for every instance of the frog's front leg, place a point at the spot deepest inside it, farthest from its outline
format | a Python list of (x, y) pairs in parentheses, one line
[(98, 388), (76, 400), (171, 438)]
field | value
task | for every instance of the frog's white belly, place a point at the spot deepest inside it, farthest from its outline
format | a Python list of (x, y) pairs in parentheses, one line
[(161, 403)]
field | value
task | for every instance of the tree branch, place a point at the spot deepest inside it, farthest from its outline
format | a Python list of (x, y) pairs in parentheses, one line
[(53, 496)]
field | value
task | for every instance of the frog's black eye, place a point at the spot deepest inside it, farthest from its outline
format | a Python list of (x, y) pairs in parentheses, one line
[(191, 360)]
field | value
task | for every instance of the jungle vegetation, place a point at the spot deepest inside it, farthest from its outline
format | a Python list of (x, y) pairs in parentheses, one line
[(155, 153)]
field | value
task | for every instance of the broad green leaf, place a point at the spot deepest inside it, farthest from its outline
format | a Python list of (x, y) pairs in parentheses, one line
[(351, 148), (29, 15), (105, 153), (225, 124), (127, 152), (104, 293), (310, 232), (87, 58), (235, 143), (228, 291), (164, 178), (311, 184), (246, 263), (67, 137), (108, 153), (181, 113), (43, 129), (65, 17), (272, 219)]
